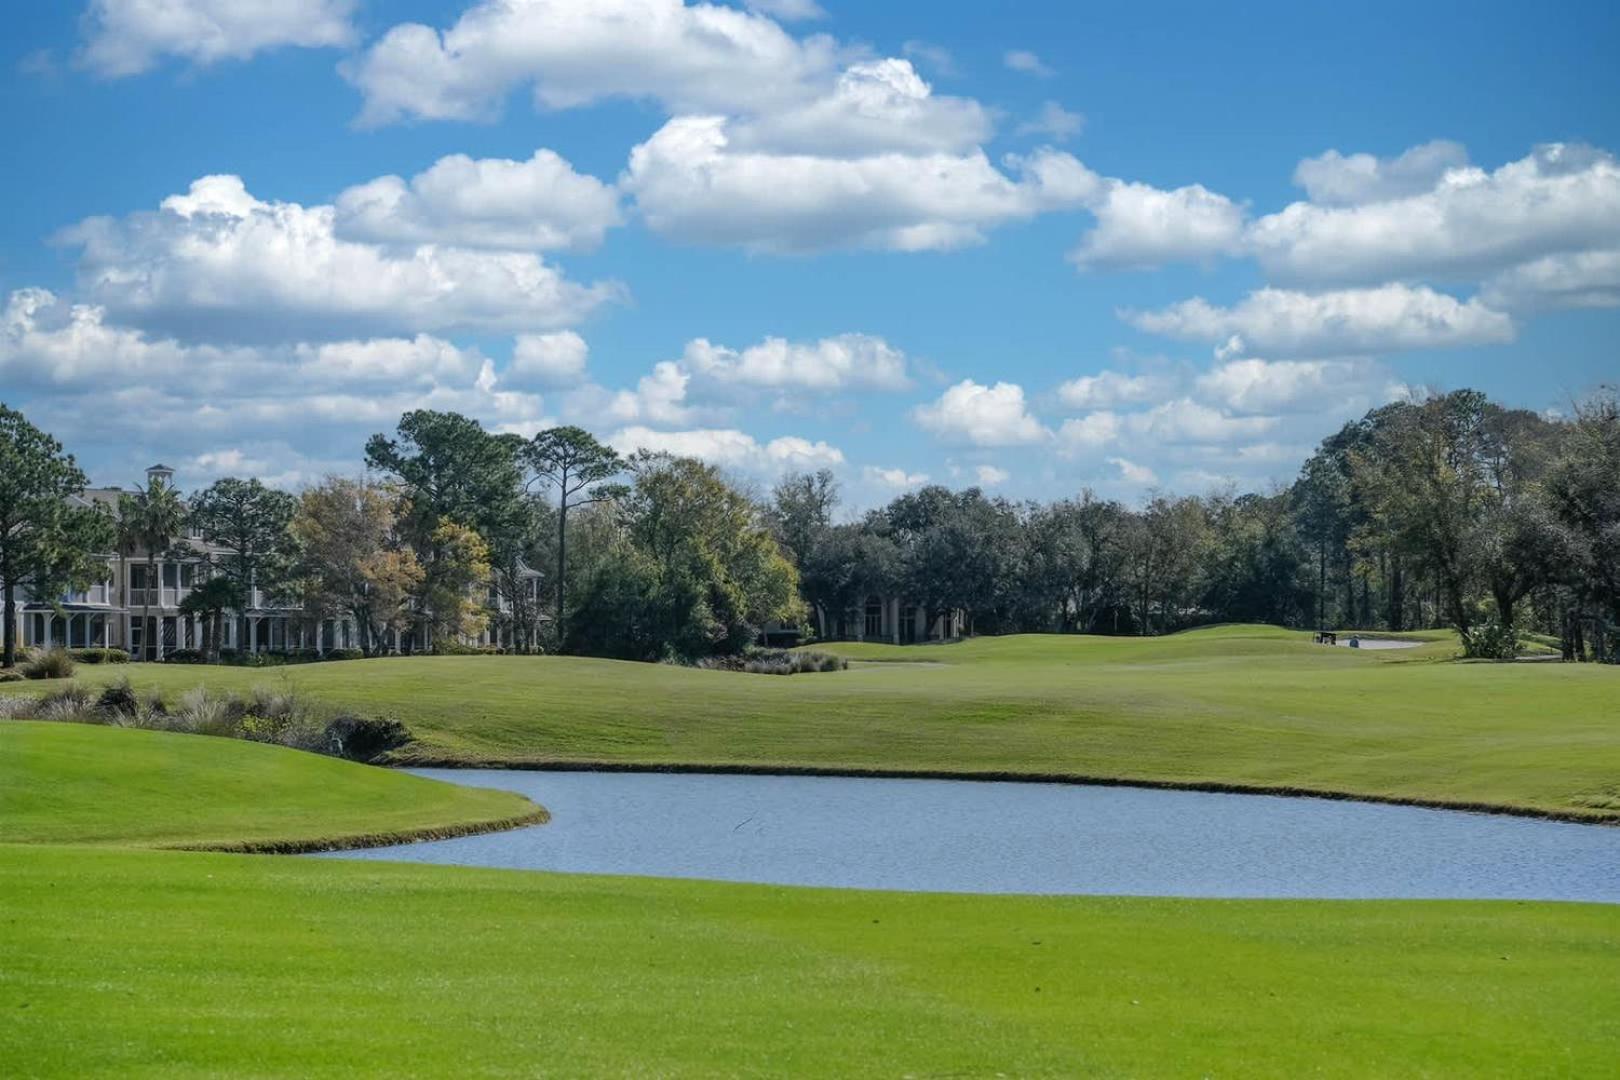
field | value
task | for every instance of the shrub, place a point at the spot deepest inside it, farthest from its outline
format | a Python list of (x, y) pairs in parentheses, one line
[(99, 656), (344, 654), (1493, 641), (48, 664), (186, 656), (364, 738), (776, 662), (456, 648), (11, 674)]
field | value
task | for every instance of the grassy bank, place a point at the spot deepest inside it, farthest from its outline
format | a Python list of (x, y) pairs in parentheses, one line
[(72, 783), (1250, 707), (127, 963)]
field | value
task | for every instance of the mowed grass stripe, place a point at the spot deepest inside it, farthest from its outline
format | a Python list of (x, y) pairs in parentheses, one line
[(133, 963)]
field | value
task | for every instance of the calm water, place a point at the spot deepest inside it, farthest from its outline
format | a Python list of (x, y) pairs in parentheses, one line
[(955, 836)]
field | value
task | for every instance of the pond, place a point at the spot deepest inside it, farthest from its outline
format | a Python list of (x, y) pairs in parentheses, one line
[(996, 837)]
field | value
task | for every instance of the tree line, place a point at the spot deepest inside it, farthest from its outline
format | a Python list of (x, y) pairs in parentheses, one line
[(1451, 511), (1447, 512)]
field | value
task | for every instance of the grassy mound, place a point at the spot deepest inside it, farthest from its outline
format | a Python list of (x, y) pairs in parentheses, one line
[(73, 783), (1240, 706)]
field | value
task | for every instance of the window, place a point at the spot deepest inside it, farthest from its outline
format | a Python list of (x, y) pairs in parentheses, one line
[(188, 575), (874, 618)]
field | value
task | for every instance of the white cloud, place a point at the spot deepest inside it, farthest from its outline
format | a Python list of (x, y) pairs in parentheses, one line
[(1108, 388), (1142, 226), (1587, 279), (688, 58), (787, 10), (1389, 318), (659, 398), (897, 479), (730, 448), (991, 476), (1562, 198), (874, 107), (1132, 473), (1026, 62), (1335, 179), (219, 260), (556, 359), (835, 363), (1270, 386), (540, 204), (691, 184), (1090, 431), (127, 37), (114, 392), (1186, 421), (981, 415), (1055, 122)]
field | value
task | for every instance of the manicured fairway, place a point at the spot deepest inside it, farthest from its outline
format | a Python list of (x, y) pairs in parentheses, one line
[(127, 963), (119, 961), (71, 783), (1247, 706)]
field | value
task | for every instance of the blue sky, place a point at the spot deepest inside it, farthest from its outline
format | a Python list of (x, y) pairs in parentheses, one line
[(1029, 245)]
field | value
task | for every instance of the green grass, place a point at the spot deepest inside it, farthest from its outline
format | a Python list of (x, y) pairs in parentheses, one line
[(73, 783), (1246, 706), (120, 961), (128, 963)]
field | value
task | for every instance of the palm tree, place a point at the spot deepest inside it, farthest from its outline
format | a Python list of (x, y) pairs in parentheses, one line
[(151, 518)]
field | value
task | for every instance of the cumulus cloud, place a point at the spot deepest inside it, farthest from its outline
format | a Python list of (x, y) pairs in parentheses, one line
[(1561, 198), (1109, 388), (1586, 279), (1389, 318), (692, 184), (127, 37), (835, 363), (540, 204), (1187, 421), (1026, 62), (556, 359), (1142, 226), (874, 107), (696, 57), (1090, 432), (1132, 473), (732, 449), (218, 260), (157, 397), (979, 415), (1335, 179), (991, 476), (1270, 386)]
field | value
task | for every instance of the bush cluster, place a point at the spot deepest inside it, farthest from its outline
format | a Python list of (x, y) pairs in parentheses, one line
[(99, 656), (265, 714), (775, 662), (1493, 641)]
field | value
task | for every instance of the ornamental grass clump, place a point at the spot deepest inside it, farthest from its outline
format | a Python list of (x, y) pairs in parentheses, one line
[(776, 662), (267, 714), (48, 664)]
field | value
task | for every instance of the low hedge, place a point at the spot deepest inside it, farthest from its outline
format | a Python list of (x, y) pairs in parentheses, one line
[(99, 656)]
